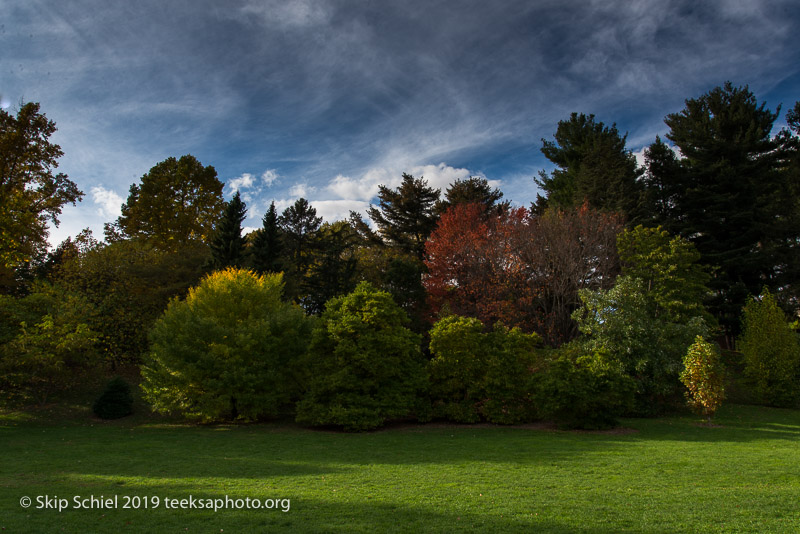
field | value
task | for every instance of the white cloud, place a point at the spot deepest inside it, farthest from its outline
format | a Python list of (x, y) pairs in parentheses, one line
[(109, 202), (337, 210), (301, 190), (269, 177), (245, 181), (440, 176)]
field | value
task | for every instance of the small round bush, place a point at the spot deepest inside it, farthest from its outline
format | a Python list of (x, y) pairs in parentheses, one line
[(703, 378), (226, 352), (584, 390), (364, 365), (115, 402), (477, 375)]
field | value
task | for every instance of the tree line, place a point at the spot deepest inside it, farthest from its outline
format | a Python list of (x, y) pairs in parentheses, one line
[(616, 265)]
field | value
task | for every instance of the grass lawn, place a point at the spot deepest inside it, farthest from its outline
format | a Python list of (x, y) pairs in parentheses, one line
[(663, 475)]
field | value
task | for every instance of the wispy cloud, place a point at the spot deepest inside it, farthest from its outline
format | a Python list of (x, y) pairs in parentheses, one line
[(109, 203)]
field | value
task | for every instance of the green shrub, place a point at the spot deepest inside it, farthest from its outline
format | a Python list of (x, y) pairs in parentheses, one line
[(476, 375), (771, 352), (49, 349), (225, 352), (702, 375), (364, 366), (625, 321), (579, 389), (115, 402)]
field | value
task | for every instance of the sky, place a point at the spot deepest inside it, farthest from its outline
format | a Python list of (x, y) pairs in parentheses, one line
[(327, 100)]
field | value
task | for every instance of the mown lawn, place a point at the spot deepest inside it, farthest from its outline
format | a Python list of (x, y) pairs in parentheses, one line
[(663, 475)]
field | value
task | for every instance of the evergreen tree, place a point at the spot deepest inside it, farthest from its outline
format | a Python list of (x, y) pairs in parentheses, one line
[(333, 270), (661, 181), (473, 190), (266, 245), (406, 216), (298, 225), (728, 193), (593, 165), (228, 245)]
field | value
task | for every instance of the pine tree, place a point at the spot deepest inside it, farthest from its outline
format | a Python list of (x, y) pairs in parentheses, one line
[(727, 193), (298, 225), (266, 245), (593, 166), (406, 216), (473, 190), (228, 244)]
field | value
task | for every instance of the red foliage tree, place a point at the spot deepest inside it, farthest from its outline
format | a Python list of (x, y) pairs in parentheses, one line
[(520, 270)]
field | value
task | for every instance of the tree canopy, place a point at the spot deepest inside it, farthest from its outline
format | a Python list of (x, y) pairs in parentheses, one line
[(31, 192), (178, 202)]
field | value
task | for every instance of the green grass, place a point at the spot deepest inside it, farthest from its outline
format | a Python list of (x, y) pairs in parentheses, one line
[(666, 475)]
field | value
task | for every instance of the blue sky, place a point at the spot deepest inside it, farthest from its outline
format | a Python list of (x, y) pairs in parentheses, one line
[(329, 99)]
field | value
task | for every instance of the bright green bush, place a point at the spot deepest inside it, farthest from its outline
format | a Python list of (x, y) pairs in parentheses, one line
[(115, 402), (579, 389), (364, 366), (703, 377), (476, 375), (624, 321), (225, 352), (771, 352)]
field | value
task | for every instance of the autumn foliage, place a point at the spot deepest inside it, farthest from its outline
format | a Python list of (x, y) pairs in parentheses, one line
[(520, 270)]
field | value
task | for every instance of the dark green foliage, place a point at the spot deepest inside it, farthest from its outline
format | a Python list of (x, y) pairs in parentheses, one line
[(128, 284), (593, 166), (364, 366), (481, 376), (228, 244), (771, 352), (266, 244), (115, 402), (178, 202), (473, 190), (332, 272), (298, 227), (47, 345), (225, 352), (662, 184), (728, 197), (406, 216), (583, 389)]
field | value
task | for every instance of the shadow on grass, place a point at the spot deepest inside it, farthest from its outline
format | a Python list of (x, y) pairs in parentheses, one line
[(304, 515)]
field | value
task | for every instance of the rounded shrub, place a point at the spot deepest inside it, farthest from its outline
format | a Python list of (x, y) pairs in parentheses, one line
[(579, 389), (226, 351), (115, 402), (476, 375), (364, 366)]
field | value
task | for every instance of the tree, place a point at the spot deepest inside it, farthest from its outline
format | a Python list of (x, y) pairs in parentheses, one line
[(474, 189), (364, 366), (728, 193), (225, 352), (31, 193), (771, 352), (477, 268), (298, 225), (702, 376), (593, 166), (333, 267), (623, 321), (662, 184), (266, 245), (177, 203), (228, 245), (405, 217), (669, 268), (519, 270)]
